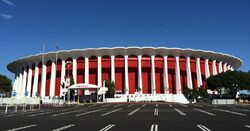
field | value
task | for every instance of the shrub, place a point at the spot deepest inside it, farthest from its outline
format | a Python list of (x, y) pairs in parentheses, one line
[(188, 93), (111, 89)]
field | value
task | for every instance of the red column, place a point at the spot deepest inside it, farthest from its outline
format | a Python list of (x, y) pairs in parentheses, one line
[(183, 72), (203, 74), (193, 71), (132, 73), (210, 64), (93, 70), (80, 71), (146, 74), (106, 68), (217, 67), (48, 76), (32, 78), (119, 74), (58, 77), (68, 68), (39, 78), (171, 74), (159, 72)]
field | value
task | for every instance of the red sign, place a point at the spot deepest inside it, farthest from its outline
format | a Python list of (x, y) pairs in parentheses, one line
[(81, 86)]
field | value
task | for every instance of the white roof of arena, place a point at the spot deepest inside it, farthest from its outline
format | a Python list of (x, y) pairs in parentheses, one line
[(163, 51)]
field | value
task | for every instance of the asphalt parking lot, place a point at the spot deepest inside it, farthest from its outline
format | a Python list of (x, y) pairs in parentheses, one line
[(130, 117)]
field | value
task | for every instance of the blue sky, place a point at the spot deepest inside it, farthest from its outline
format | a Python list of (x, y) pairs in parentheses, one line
[(217, 25)]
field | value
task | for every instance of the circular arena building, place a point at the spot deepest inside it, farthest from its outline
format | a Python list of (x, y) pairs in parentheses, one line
[(139, 73)]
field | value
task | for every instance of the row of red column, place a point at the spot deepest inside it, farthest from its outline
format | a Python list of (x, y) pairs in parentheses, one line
[(119, 73)]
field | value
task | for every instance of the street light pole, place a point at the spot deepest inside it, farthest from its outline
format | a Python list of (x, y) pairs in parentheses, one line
[(68, 64)]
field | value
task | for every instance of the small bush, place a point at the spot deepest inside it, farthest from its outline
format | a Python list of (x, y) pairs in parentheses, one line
[(111, 89), (195, 93)]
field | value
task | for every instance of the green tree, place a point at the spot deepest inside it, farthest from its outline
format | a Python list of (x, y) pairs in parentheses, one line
[(72, 82), (231, 81), (138, 89), (5, 85), (214, 83), (71, 93), (188, 93), (111, 89), (248, 80), (196, 93), (203, 92)]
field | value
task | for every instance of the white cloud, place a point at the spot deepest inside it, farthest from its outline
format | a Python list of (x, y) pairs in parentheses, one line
[(9, 3), (6, 17)]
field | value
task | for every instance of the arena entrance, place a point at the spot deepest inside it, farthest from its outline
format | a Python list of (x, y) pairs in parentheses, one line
[(90, 93)]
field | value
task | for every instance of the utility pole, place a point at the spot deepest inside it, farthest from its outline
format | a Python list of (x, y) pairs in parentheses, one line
[(43, 52), (57, 48), (40, 101)]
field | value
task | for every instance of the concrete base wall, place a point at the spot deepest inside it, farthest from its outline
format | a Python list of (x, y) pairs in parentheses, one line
[(179, 98), (223, 101), (12, 101)]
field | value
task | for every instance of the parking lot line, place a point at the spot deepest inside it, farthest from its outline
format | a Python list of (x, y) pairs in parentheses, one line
[(156, 105), (21, 113), (208, 113), (85, 113), (64, 127), (26, 113), (197, 105), (170, 105), (211, 105), (117, 105), (107, 127), (156, 112), (131, 113), (111, 112), (241, 109), (232, 112), (91, 105), (105, 105), (43, 113), (183, 105), (180, 112), (143, 105), (20, 128), (247, 126), (59, 114), (131, 105), (66, 109), (154, 127), (48, 112), (203, 128)]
